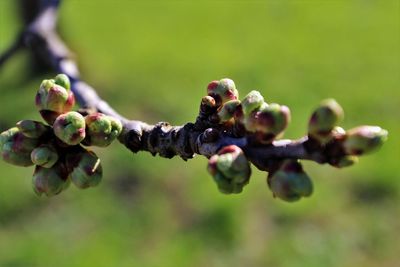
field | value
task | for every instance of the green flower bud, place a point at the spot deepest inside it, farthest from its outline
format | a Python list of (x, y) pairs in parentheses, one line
[(344, 161), (85, 168), (230, 169), (45, 156), (228, 110), (101, 130), (269, 122), (53, 100), (325, 118), (16, 148), (70, 128), (223, 90), (364, 139), (252, 101), (32, 129), (50, 181), (63, 80), (290, 182)]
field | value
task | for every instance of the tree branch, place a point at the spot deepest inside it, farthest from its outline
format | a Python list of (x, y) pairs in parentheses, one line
[(201, 137)]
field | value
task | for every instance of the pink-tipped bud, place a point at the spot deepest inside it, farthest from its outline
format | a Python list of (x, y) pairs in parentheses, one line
[(53, 99), (364, 139), (222, 90), (230, 169), (70, 128), (16, 148), (101, 130)]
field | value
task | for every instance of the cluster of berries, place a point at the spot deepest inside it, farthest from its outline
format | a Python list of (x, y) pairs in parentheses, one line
[(56, 147), (262, 123)]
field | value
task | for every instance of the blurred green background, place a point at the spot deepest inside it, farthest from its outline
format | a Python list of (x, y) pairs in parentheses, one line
[(152, 61)]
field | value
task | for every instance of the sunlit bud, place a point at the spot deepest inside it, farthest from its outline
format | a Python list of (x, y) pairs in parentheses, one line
[(70, 128), (222, 90), (230, 169), (101, 130), (63, 80), (364, 139), (228, 109), (252, 101), (52, 100), (325, 118)]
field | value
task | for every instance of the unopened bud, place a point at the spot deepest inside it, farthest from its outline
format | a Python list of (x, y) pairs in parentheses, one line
[(271, 121), (230, 169), (50, 181), (364, 139), (52, 100), (32, 129), (70, 128), (85, 168), (252, 101), (45, 156), (63, 80), (344, 161), (223, 90), (101, 130), (228, 110), (290, 182), (16, 148), (325, 118)]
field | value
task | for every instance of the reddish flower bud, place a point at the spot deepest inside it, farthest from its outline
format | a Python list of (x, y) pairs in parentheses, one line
[(290, 182), (16, 148), (230, 169), (269, 122), (101, 130), (70, 128), (222, 91), (53, 100)]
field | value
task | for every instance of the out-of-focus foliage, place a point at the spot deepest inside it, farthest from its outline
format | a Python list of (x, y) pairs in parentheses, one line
[(152, 60)]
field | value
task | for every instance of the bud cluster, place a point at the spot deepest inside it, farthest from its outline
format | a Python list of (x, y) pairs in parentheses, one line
[(230, 169), (56, 148), (251, 117), (342, 147), (261, 123)]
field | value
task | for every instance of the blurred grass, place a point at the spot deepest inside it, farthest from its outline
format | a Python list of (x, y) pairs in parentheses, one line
[(152, 60)]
